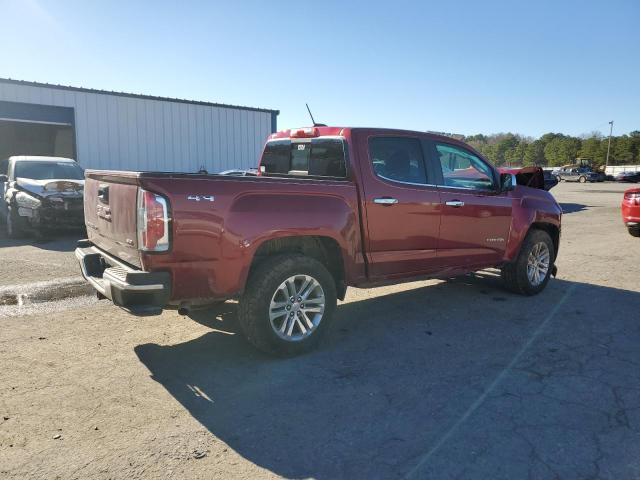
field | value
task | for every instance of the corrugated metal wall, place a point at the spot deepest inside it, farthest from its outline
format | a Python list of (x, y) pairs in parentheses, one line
[(132, 133)]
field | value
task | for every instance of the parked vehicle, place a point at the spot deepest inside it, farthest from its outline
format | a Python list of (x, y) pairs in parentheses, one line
[(631, 177), (581, 175), (631, 211), (331, 208), (550, 180), (41, 194), (600, 176)]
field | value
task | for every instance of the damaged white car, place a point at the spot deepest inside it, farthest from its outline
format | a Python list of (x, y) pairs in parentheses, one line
[(41, 194)]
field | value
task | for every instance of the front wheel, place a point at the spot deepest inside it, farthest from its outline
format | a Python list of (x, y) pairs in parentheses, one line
[(582, 180), (530, 272), (14, 223), (287, 305)]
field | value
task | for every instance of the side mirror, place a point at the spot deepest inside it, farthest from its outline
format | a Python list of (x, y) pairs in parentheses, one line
[(507, 182), (4, 178)]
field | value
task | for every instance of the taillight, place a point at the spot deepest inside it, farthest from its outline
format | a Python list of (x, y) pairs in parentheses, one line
[(153, 222), (633, 197)]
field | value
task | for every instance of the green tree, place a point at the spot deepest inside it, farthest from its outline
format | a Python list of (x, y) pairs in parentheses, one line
[(622, 150), (592, 149), (534, 154), (561, 150)]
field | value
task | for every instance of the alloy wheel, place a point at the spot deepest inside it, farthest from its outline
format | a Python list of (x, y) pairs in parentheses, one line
[(297, 307), (538, 263)]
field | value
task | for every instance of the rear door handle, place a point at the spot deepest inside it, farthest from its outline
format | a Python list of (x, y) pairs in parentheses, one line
[(385, 201), (455, 204)]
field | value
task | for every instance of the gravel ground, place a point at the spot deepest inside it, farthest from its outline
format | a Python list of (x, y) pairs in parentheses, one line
[(442, 380), (25, 260)]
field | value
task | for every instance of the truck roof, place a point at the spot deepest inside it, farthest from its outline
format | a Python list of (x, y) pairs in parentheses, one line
[(327, 131)]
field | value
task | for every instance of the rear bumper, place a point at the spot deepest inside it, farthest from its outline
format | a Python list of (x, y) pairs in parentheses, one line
[(139, 292)]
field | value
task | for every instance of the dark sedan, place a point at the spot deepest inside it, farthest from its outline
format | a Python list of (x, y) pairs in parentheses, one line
[(550, 180), (631, 177)]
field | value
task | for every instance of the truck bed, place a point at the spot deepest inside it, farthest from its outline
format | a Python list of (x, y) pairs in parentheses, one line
[(218, 222)]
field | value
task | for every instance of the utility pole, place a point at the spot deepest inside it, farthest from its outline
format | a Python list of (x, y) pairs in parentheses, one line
[(609, 146)]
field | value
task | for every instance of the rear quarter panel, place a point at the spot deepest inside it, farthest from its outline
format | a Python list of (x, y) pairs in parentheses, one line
[(214, 242)]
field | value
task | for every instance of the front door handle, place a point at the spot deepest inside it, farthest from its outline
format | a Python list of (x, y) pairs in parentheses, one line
[(385, 201), (455, 204)]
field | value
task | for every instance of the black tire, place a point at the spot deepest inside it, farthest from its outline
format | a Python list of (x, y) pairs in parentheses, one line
[(634, 231), (265, 280), (582, 179), (14, 226), (40, 235), (515, 275)]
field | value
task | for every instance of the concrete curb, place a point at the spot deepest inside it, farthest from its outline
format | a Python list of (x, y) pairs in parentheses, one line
[(48, 291)]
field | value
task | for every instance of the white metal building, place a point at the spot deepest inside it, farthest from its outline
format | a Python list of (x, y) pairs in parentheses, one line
[(112, 130)]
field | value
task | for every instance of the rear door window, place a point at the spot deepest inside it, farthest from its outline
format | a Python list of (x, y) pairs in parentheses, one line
[(398, 159), (320, 157)]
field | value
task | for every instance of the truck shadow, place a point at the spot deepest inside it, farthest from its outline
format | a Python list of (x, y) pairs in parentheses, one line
[(398, 370), (53, 242), (574, 207)]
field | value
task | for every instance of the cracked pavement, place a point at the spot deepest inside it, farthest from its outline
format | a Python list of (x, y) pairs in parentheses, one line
[(444, 380)]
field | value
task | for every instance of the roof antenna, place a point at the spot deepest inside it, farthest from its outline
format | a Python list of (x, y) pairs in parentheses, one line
[(311, 115)]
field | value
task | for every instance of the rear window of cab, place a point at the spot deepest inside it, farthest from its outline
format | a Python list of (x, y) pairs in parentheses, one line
[(316, 157)]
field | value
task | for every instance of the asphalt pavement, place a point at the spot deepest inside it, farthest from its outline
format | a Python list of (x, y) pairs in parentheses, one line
[(432, 380)]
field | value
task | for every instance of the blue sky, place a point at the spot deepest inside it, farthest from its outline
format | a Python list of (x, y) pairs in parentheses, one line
[(465, 67)]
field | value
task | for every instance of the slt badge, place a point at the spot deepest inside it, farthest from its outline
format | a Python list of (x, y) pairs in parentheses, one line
[(197, 198)]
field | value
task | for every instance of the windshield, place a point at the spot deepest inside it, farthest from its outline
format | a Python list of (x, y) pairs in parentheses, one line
[(49, 170)]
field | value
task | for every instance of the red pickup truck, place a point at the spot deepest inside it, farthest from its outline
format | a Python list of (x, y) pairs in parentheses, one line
[(330, 208)]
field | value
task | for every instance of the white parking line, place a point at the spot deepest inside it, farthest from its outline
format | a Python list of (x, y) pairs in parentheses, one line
[(480, 400)]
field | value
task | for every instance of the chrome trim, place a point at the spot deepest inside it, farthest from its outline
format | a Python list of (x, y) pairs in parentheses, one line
[(468, 189), (454, 203), (405, 183), (385, 201)]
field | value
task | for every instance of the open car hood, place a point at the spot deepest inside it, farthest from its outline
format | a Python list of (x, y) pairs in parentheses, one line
[(528, 176)]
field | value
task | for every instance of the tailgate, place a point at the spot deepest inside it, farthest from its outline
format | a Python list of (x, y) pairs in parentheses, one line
[(110, 210)]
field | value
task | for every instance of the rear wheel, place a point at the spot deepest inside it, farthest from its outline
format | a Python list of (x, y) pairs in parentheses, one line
[(288, 304), (530, 272), (582, 179)]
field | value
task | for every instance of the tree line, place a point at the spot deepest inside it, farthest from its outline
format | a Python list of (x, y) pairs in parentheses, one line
[(556, 149)]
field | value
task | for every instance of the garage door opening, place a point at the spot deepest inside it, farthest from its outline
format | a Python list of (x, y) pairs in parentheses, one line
[(33, 129), (26, 138)]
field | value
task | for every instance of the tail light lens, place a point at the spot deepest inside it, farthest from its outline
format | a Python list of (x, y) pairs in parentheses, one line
[(153, 222), (633, 197)]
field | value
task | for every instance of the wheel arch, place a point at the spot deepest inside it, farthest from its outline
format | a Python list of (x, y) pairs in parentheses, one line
[(322, 248), (552, 230)]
